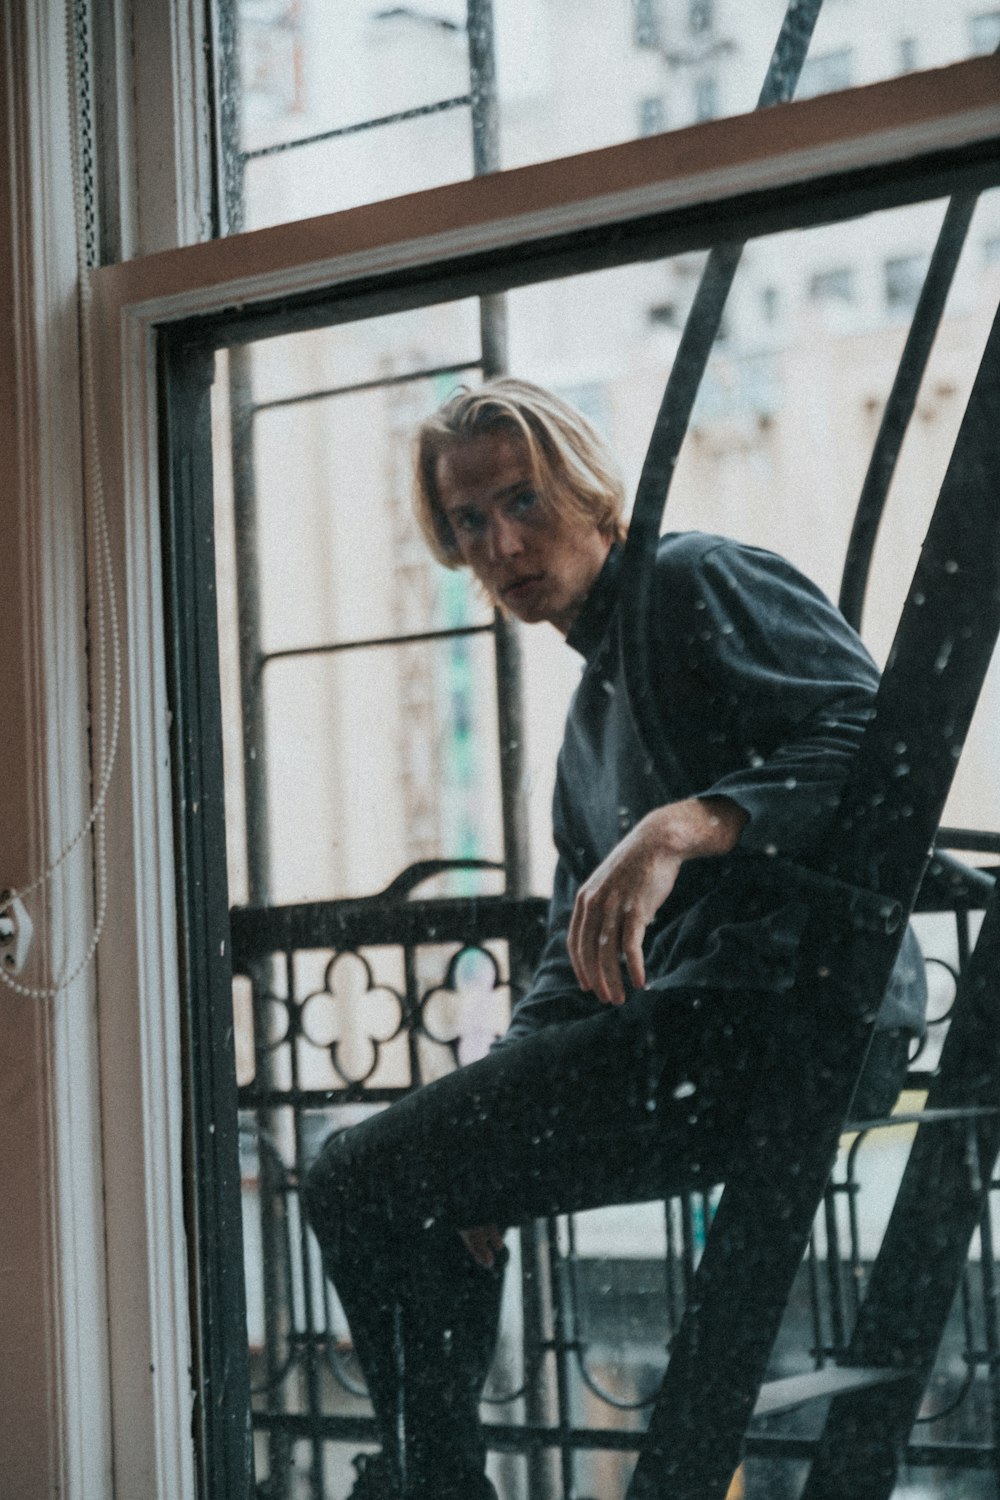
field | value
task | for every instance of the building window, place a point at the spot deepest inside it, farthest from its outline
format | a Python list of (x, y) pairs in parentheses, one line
[(907, 54), (706, 98), (826, 73), (835, 285), (645, 26), (769, 302), (701, 14), (652, 115), (984, 31), (904, 277)]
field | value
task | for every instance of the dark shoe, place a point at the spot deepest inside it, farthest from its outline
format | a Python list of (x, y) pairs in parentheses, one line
[(375, 1480), (476, 1488)]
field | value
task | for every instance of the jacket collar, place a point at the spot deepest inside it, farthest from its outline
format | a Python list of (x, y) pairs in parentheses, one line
[(591, 624)]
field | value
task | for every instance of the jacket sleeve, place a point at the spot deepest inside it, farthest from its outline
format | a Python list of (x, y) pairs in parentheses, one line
[(786, 690)]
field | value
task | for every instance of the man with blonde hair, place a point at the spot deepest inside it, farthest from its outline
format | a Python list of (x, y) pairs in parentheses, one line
[(627, 1068)]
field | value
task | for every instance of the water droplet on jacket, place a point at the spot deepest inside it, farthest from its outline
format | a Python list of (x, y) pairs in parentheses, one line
[(944, 654)]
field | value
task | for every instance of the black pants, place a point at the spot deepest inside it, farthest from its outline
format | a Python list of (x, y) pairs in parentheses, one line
[(629, 1105)]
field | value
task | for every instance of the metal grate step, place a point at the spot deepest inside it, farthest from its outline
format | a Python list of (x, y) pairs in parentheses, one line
[(835, 1380)]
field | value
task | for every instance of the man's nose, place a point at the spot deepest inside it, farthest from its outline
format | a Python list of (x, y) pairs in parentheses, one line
[(505, 537)]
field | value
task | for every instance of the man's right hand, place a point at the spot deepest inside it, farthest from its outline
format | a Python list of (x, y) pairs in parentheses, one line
[(484, 1243), (616, 904)]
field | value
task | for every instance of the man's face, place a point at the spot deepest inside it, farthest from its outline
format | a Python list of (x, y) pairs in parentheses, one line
[(538, 565)]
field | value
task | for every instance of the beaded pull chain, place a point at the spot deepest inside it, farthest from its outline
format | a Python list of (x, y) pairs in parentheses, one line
[(108, 632)]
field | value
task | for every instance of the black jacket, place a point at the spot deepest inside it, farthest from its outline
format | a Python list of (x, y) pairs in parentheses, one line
[(763, 691)]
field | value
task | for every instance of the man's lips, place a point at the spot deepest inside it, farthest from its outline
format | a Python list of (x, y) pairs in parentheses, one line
[(518, 586)]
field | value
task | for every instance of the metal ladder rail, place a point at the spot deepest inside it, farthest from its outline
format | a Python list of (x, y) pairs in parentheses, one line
[(888, 817), (638, 580), (901, 403), (915, 1277), (945, 881), (762, 1224)]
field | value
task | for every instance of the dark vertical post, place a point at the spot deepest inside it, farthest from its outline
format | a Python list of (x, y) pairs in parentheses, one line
[(493, 334), (248, 617), (226, 142), (277, 1314), (510, 721), (222, 1410), (560, 1343), (988, 1277)]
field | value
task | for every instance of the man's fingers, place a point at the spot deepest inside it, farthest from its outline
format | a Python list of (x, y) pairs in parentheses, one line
[(582, 939), (633, 932), (594, 942), (573, 941), (614, 907), (598, 947), (609, 985)]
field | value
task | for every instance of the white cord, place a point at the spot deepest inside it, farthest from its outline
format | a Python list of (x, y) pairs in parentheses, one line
[(105, 596)]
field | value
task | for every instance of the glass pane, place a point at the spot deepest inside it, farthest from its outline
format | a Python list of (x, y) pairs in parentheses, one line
[(318, 550), (379, 755), (378, 758), (324, 572), (338, 553), (776, 454), (319, 89), (389, 348), (783, 426)]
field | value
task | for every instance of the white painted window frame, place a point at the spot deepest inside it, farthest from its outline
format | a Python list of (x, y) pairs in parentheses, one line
[(86, 1413), (138, 975)]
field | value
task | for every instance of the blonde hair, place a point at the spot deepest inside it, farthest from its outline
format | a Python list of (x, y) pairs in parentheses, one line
[(572, 471)]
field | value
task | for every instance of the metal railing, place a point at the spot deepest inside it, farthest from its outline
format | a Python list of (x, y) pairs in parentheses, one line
[(585, 1339)]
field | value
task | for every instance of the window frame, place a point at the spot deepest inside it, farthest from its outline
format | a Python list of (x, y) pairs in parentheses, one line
[(913, 137)]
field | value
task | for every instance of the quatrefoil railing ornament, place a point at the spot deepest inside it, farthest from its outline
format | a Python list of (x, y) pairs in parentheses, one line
[(462, 1004), (350, 990)]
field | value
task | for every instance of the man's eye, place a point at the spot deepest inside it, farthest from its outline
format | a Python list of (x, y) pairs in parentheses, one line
[(526, 500), (470, 521)]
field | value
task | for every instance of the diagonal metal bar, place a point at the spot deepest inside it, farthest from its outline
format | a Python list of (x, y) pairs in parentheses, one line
[(359, 387), (338, 131), (700, 330), (891, 804), (363, 643), (901, 403), (923, 709)]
